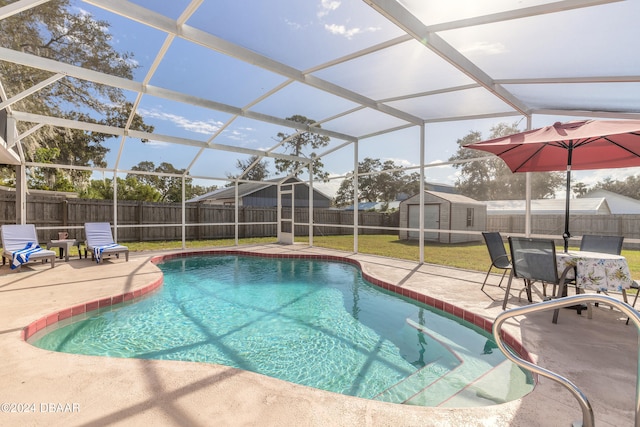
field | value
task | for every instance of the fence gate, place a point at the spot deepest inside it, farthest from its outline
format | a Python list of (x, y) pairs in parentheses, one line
[(285, 213)]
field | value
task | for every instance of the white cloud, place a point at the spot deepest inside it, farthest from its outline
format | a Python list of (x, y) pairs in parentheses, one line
[(81, 11), (327, 6), (198, 126), (236, 135), (133, 63), (293, 25), (484, 47), (153, 143), (401, 162), (341, 30), (592, 177)]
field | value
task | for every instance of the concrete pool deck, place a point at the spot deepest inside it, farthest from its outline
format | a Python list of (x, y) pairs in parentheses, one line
[(599, 355)]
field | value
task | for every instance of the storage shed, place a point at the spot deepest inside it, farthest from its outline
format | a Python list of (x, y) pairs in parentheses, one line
[(443, 211)]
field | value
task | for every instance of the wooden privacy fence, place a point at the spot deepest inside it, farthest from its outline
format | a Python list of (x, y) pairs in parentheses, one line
[(553, 225), (147, 221)]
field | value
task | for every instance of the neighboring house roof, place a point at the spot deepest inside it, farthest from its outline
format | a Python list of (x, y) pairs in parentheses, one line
[(441, 188), (66, 194), (618, 203), (583, 206), (431, 186), (449, 197), (209, 195), (230, 192), (455, 198), (245, 189)]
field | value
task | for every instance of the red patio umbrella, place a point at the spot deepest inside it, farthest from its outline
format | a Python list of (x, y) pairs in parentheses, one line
[(577, 145)]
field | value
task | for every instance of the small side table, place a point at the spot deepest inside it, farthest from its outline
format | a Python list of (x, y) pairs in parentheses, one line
[(64, 246)]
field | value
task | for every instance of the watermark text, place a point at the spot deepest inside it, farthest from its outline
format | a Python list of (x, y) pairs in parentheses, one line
[(42, 407)]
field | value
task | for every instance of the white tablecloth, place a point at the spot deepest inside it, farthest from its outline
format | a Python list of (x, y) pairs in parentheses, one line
[(596, 271)]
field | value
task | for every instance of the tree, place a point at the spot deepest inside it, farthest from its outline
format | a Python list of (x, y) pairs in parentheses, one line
[(411, 184), (169, 187), (132, 188), (492, 179), (580, 189), (630, 187), (55, 30), (198, 190), (377, 182), (129, 188), (298, 145), (259, 171), (390, 182), (72, 147), (48, 178)]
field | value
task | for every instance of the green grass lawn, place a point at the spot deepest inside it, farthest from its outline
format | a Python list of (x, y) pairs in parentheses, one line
[(471, 256), (177, 244)]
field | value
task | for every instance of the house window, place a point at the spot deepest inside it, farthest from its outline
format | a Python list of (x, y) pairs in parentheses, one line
[(469, 217)]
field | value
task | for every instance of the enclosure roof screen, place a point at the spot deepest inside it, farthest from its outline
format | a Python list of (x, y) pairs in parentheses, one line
[(218, 80)]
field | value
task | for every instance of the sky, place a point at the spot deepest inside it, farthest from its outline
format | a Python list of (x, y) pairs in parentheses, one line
[(313, 32)]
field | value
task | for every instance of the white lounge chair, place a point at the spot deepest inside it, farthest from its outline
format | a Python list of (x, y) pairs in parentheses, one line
[(100, 241), (20, 245)]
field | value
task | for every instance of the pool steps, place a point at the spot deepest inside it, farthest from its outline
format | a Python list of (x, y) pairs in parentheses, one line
[(440, 360), (447, 380), (466, 381)]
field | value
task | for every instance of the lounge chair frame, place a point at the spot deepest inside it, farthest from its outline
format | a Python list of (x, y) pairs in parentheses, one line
[(16, 236), (99, 234)]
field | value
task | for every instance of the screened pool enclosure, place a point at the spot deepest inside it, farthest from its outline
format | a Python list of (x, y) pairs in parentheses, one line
[(220, 82)]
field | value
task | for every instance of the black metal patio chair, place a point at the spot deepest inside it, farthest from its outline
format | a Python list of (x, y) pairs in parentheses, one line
[(534, 260), (602, 244), (498, 254)]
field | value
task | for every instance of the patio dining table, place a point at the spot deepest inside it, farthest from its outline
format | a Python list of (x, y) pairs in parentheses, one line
[(596, 271)]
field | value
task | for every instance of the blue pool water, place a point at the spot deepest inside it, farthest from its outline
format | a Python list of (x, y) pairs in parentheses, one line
[(315, 323)]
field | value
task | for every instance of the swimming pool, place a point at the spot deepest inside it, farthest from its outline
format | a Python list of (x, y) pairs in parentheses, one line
[(310, 322)]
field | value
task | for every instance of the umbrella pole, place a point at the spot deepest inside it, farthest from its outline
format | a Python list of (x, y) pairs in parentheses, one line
[(566, 235)]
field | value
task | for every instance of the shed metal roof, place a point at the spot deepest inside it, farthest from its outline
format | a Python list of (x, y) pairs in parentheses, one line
[(449, 197), (583, 206), (618, 203)]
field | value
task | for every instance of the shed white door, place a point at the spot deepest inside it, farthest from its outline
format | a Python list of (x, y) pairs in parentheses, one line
[(431, 221)]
